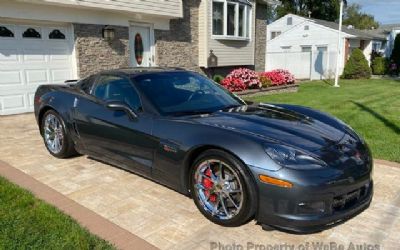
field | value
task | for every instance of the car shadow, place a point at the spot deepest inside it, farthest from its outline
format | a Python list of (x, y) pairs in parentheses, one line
[(378, 116)]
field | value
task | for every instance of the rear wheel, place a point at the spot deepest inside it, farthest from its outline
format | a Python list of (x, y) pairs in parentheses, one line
[(222, 189), (55, 136)]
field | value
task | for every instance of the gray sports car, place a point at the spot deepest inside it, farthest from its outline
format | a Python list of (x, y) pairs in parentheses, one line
[(287, 166)]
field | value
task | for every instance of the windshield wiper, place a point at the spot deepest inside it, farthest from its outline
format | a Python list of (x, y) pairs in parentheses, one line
[(229, 107), (192, 112)]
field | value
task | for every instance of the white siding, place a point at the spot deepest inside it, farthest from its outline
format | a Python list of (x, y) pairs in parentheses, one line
[(52, 13), (296, 37), (172, 8), (280, 25), (203, 35), (231, 52)]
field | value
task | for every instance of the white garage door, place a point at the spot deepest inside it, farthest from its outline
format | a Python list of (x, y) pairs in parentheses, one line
[(31, 55)]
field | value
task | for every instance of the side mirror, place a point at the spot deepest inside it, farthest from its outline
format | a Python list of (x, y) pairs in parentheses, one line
[(120, 106)]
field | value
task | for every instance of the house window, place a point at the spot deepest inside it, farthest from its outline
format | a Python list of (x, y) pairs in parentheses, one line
[(289, 20), (56, 34), (31, 33), (231, 19), (4, 32), (218, 18), (242, 13), (275, 34), (306, 48)]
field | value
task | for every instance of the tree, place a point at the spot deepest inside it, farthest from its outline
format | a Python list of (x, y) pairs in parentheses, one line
[(396, 51), (357, 66), (325, 9), (358, 19)]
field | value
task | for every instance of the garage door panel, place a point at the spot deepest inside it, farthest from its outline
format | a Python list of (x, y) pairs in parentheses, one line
[(60, 75), (14, 102), (36, 76), (9, 55), (59, 56), (10, 78), (32, 55), (31, 96)]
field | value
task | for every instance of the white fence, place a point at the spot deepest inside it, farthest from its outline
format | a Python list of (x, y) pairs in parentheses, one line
[(313, 65)]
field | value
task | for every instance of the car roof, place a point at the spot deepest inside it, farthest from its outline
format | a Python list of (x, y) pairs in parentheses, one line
[(132, 71)]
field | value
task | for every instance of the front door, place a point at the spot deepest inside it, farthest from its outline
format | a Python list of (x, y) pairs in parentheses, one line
[(141, 43)]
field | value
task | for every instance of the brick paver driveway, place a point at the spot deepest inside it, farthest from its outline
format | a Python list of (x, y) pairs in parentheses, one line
[(169, 220)]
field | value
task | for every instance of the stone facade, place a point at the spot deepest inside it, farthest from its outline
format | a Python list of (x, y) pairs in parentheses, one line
[(178, 47), (261, 37), (94, 54)]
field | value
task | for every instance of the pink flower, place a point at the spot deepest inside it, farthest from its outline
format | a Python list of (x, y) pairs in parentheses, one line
[(241, 79), (279, 77)]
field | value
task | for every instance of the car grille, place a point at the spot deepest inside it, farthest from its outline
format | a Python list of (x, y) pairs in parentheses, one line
[(351, 199)]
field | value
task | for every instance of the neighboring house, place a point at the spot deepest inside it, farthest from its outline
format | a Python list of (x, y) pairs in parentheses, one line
[(387, 34), (50, 41), (309, 47)]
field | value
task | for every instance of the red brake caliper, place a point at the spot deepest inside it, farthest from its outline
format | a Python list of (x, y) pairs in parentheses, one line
[(207, 183)]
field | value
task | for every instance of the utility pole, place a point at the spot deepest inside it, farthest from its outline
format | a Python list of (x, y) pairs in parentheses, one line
[(339, 47)]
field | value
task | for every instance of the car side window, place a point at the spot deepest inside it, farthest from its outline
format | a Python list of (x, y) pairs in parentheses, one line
[(86, 84), (115, 88)]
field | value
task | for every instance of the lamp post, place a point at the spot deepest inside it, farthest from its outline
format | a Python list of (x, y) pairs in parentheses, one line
[(339, 47)]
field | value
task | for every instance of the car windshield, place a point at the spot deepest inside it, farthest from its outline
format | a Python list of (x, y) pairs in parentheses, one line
[(185, 93)]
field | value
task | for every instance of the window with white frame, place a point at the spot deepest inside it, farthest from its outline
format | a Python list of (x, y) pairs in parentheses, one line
[(231, 19)]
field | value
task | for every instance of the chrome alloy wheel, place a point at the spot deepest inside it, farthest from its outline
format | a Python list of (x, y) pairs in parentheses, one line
[(53, 133), (219, 189)]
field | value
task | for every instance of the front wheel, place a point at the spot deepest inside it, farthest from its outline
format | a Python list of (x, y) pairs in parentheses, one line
[(55, 136), (222, 189)]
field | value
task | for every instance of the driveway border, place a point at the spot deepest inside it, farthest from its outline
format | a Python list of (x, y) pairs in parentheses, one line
[(387, 163), (96, 224)]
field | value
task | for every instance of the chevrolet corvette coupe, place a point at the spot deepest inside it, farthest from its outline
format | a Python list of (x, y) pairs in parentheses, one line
[(286, 166)]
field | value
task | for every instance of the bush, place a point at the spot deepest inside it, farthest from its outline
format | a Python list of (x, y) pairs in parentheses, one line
[(379, 65), (248, 76), (357, 66), (396, 51), (218, 78), (279, 77), (265, 81), (233, 84)]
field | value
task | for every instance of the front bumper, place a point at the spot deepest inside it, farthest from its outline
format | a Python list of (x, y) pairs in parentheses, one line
[(317, 200)]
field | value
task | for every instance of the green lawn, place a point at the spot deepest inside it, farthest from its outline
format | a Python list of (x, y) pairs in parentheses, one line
[(29, 223), (371, 107)]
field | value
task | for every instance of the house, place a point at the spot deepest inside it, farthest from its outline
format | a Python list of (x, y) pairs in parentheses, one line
[(50, 41), (387, 34), (309, 47)]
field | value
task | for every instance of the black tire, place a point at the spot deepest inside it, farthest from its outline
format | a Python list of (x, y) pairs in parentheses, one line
[(67, 147), (249, 205)]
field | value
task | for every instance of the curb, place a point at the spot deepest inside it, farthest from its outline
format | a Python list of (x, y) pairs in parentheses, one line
[(96, 224), (387, 163)]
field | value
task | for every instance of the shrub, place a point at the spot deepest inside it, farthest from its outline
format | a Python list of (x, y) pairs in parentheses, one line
[(233, 84), (279, 77), (218, 78), (265, 81), (357, 66), (396, 50), (379, 65), (248, 76)]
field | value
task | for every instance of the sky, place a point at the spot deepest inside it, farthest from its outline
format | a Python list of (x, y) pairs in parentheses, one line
[(385, 11)]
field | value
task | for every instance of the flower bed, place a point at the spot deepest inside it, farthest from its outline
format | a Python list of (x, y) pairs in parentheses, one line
[(243, 79)]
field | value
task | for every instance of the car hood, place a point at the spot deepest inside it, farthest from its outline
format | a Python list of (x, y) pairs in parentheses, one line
[(278, 124)]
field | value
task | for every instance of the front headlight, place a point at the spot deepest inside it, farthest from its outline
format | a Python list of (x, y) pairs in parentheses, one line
[(292, 158)]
